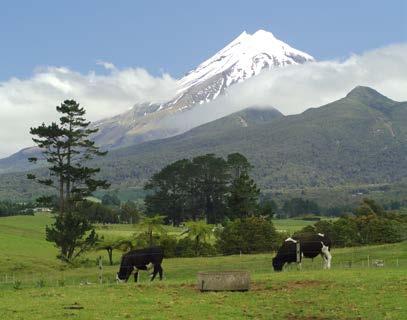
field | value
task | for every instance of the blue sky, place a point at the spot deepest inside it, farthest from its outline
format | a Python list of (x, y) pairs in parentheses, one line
[(174, 36)]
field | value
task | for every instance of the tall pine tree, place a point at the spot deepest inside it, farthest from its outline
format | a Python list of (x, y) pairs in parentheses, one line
[(67, 149)]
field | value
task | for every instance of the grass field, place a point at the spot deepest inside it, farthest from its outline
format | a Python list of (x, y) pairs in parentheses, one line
[(38, 287)]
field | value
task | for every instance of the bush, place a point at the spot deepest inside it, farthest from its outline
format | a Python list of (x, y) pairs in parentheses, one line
[(40, 283), (142, 240), (169, 245), (249, 235), (17, 285), (187, 248), (371, 225)]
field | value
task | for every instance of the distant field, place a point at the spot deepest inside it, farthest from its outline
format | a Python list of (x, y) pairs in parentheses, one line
[(350, 290), (291, 225)]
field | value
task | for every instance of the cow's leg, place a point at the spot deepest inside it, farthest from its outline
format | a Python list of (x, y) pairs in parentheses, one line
[(155, 271), (327, 257), (324, 258), (136, 275), (160, 272)]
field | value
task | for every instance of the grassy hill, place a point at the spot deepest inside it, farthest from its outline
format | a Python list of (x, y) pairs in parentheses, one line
[(48, 290), (357, 140)]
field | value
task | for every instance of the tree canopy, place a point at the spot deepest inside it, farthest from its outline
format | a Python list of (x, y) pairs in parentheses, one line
[(206, 187)]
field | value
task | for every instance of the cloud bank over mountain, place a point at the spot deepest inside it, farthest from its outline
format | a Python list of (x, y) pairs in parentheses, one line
[(25, 103), (293, 89), (28, 102)]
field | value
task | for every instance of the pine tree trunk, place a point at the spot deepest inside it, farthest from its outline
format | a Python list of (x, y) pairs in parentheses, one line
[(68, 180), (110, 253), (61, 195)]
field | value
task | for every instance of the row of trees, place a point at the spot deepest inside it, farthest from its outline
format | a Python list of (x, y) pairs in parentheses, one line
[(206, 187), (127, 212), (369, 224), (8, 208), (252, 234)]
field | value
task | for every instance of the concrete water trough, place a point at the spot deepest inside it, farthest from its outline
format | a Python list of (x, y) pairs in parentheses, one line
[(223, 281)]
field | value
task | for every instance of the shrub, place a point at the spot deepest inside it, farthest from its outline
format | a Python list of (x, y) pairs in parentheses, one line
[(248, 235), (17, 285), (169, 245), (40, 283), (185, 248)]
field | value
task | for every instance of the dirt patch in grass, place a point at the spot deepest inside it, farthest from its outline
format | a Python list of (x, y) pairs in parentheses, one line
[(259, 286), (296, 317), (297, 284)]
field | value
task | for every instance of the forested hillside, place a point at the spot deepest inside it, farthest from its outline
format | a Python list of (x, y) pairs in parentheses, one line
[(360, 139)]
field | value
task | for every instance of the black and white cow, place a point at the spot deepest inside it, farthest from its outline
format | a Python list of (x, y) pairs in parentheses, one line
[(140, 260), (311, 245)]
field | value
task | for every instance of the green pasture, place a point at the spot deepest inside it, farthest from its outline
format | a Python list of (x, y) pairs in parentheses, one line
[(34, 285)]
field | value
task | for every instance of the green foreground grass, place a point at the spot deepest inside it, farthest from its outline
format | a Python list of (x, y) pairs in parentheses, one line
[(47, 290)]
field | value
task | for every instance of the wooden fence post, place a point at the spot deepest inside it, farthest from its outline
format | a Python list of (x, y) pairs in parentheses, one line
[(100, 270), (298, 254)]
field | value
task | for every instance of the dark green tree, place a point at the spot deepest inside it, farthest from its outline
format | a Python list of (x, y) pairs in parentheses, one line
[(244, 196), (238, 165), (72, 234), (173, 192), (211, 186), (248, 235), (188, 189), (110, 199), (268, 208), (67, 149), (369, 207), (130, 213), (299, 206)]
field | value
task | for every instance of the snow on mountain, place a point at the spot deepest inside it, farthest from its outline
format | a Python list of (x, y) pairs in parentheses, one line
[(243, 58)]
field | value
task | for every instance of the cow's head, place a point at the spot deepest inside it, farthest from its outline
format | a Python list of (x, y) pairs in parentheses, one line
[(124, 271), (277, 264)]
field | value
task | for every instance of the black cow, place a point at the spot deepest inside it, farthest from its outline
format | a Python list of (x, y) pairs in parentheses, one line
[(139, 260), (311, 245)]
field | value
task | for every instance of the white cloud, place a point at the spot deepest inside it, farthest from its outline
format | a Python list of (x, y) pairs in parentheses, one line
[(28, 103), (106, 65), (296, 88)]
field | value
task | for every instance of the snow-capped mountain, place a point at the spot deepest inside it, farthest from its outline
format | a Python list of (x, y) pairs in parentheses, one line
[(245, 57)]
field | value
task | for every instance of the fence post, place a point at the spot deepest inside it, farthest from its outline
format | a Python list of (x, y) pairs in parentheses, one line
[(298, 254), (100, 270), (368, 261)]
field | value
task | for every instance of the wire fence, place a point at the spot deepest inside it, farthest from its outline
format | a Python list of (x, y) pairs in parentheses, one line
[(185, 269)]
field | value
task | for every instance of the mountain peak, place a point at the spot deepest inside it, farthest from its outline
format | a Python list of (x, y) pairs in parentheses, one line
[(263, 34), (359, 91), (366, 93), (371, 98)]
